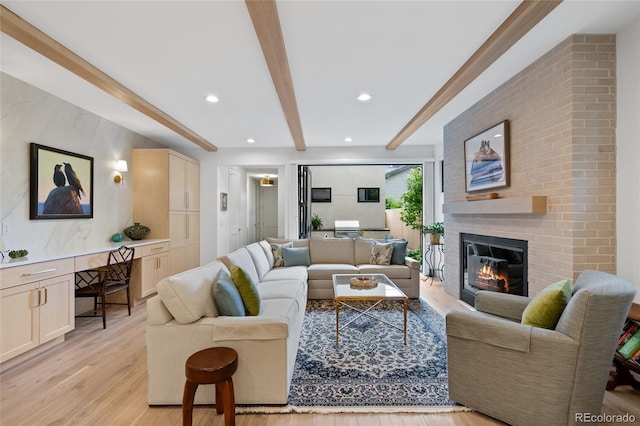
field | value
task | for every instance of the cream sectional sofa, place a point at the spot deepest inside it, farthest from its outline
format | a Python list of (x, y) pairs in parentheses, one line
[(183, 318), (351, 256)]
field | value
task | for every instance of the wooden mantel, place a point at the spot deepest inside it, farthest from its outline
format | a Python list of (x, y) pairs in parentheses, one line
[(535, 204)]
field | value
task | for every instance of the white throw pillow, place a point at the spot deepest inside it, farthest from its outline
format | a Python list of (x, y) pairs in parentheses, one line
[(188, 295), (381, 253)]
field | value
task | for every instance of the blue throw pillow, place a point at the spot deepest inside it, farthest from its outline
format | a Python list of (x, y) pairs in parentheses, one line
[(399, 252), (296, 256), (227, 296)]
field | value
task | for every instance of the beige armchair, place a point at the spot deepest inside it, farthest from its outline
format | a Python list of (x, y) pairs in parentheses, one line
[(525, 375)]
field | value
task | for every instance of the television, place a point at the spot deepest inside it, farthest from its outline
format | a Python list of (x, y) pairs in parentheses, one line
[(320, 195)]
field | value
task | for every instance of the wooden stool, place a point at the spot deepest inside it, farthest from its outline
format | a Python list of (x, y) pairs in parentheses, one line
[(209, 366)]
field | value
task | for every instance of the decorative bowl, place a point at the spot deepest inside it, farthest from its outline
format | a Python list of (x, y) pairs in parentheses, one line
[(363, 282), (136, 231)]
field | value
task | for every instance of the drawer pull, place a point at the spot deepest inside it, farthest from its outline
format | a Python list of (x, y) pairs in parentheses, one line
[(46, 271), (157, 248)]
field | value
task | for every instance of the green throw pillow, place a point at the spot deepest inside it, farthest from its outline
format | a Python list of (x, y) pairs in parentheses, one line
[(247, 289), (545, 308)]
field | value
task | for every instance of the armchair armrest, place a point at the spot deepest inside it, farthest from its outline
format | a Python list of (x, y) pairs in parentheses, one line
[(504, 305), (493, 331), (502, 333)]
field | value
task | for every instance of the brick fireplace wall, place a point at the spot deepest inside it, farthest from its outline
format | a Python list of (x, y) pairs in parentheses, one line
[(562, 114)]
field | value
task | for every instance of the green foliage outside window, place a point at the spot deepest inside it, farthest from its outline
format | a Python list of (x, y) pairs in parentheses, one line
[(390, 203), (411, 214)]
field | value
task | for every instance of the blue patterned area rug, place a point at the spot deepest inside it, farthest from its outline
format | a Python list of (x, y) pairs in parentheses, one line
[(371, 370)]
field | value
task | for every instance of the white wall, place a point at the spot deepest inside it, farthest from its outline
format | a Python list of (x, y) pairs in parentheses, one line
[(344, 182), (628, 154), (213, 172), (32, 115)]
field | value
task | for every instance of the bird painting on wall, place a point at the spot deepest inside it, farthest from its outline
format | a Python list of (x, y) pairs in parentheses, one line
[(58, 176), (73, 179)]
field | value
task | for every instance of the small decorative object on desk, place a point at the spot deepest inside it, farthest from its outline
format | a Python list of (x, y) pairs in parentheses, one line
[(137, 231), (116, 238), (14, 254), (363, 282)]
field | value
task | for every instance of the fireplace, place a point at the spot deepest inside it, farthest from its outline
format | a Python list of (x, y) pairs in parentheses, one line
[(492, 263)]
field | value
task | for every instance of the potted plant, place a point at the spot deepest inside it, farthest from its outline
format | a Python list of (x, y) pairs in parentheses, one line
[(316, 222), (435, 230)]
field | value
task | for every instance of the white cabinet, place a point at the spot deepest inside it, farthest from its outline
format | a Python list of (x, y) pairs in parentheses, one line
[(154, 267), (36, 305), (166, 187)]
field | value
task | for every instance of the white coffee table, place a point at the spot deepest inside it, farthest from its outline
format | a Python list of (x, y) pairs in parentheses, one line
[(344, 292)]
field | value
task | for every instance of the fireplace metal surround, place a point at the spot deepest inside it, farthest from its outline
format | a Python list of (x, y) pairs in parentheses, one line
[(503, 259)]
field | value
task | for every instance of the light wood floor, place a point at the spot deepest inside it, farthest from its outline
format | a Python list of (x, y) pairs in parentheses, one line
[(99, 377)]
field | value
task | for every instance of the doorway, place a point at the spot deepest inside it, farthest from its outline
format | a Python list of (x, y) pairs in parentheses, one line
[(266, 212)]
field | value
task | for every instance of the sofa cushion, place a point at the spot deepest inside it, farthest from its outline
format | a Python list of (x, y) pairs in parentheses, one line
[(545, 308), (188, 295), (241, 258), (296, 243), (298, 273), (284, 289), (362, 247), (381, 253), (247, 289), (278, 258), (259, 259), (296, 256), (332, 251), (227, 297), (266, 248), (324, 271), (391, 271)]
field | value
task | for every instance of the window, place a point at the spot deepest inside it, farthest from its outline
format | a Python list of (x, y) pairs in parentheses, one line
[(320, 195), (368, 195)]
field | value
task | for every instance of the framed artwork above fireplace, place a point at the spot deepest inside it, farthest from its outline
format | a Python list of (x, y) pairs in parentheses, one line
[(486, 158)]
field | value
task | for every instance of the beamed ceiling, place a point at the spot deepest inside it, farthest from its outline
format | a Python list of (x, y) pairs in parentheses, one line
[(286, 73)]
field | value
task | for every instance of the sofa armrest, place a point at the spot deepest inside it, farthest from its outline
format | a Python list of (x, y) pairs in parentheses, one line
[(249, 328), (504, 305), (157, 312), (493, 331), (411, 263)]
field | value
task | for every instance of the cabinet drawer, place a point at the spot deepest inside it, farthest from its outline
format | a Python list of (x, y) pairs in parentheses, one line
[(90, 261), (11, 277), (152, 249)]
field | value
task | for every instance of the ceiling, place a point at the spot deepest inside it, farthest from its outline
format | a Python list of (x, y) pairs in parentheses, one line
[(174, 53)]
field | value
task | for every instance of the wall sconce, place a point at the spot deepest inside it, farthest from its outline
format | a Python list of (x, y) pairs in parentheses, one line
[(121, 167)]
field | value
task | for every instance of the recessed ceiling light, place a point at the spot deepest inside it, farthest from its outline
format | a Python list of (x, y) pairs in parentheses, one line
[(251, 140), (348, 139), (212, 98), (364, 97)]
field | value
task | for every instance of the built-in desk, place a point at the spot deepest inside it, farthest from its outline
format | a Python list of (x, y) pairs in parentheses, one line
[(37, 296)]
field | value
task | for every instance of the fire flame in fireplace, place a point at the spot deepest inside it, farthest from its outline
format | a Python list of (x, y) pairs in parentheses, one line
[(489, 279)]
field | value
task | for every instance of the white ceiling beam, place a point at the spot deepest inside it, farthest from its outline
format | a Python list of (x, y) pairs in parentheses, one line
[(266, 22), (526, 16), (22, 31)]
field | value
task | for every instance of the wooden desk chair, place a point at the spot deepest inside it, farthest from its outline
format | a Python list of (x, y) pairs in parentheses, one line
[(103, 281)]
